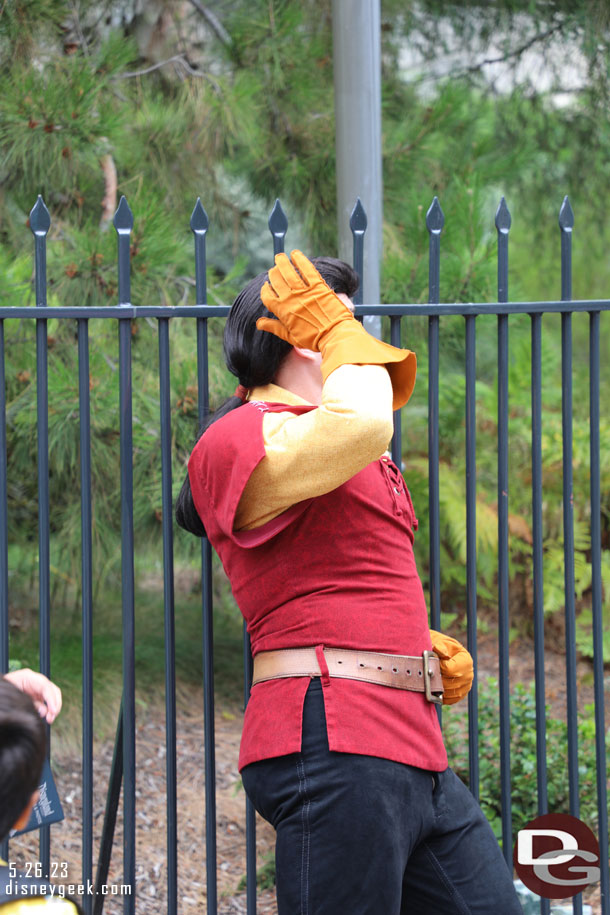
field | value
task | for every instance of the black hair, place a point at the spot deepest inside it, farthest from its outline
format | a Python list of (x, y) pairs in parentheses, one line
[(23, 744), (254, 357)]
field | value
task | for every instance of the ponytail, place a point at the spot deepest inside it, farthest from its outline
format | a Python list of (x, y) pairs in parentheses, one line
[(186, 513)]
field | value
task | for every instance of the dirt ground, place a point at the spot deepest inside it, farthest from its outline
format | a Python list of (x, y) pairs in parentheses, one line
[(151, 875), (151, 870)]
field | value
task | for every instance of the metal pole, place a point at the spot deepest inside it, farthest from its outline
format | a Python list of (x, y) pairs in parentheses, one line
[(357, 73)]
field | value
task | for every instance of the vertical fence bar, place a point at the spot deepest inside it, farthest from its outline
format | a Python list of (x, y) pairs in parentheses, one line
[(471, 550), (250, 811), (278, 226), (435, 220), (503, 223), (40, 222), (110, 814), (537, 572), (87, 605), (397, 437), (596, 607), (4, 647), (358, 223), (566, 223), (209, 729), (169, 615), (123, 223), (199, 227)]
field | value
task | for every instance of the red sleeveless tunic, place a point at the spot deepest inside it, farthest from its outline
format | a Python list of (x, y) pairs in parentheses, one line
[(338, 571)]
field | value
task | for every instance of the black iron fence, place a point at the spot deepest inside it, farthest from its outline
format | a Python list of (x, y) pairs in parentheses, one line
[(124, 313)]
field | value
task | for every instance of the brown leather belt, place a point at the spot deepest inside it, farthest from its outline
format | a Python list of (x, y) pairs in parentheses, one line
[(422, 674)]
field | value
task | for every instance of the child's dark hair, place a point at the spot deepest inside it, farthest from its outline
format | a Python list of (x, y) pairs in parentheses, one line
[(22, 750), (254, 357)]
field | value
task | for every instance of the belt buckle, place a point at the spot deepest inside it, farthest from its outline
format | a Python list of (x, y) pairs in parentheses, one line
[(436, 698)]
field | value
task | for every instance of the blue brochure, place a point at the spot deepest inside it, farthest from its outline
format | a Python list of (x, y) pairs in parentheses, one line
[(47, 808)]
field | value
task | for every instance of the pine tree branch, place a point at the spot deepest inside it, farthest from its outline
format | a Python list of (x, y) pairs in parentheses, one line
[(214, 23), (176, 59), (541, 36)]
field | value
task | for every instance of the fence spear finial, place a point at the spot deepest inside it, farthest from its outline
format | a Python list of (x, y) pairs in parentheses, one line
[(123, 218), (435, 218), (40, 220), (503, 218), (566, 216), (278, 226), (199, 219), (358, 221), (278, 222)]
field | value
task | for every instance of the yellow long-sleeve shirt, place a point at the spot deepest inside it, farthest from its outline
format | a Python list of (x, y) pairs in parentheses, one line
[(313, 453)]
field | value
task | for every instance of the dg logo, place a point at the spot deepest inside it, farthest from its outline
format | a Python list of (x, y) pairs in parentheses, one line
[(556, 856)]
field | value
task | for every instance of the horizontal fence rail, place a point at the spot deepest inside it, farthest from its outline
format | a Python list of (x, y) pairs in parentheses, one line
[(124, 764), (590, 306)]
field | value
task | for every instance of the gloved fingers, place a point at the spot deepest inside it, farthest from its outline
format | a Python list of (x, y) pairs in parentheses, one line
[(307, 270), (440, 653), (457, 683), (451, 699), (450, 693), (277, 285), (444, 645), (438, 644), (458, 666), (273, 326), (453, 692), (268, 295), (457, 670), (291, 280)]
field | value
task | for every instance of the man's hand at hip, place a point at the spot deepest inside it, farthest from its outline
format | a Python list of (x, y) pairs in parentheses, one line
[(456, 667)]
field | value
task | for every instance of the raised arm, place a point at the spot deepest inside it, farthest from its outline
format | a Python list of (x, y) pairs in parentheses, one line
[(364, 379), (311, 454)]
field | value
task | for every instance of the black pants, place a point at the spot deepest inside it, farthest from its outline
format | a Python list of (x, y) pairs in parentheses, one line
[(360, 835)]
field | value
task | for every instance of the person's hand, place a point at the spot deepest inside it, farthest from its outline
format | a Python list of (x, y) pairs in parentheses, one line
[(306, 307), (45, 695), (456, 667), (311, 316)]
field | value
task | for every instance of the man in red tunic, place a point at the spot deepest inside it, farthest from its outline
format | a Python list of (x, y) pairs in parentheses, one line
[(341, 751)]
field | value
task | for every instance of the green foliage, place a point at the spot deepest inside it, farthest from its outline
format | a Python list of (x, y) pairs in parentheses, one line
[(24, 23), (56, 123), (150, 642), (265, 874), (584, 622), (452, 471), (523, 757), (248, 116), (283, 52)]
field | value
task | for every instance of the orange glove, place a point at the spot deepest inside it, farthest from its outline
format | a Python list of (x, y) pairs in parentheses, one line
[(311, 316), (456, 667)]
